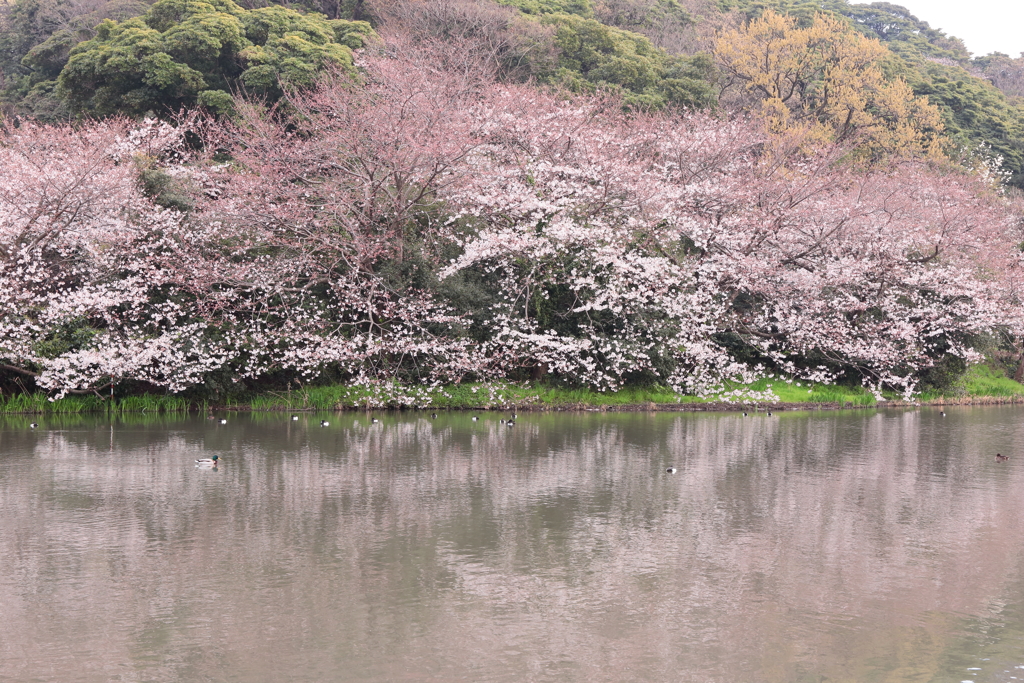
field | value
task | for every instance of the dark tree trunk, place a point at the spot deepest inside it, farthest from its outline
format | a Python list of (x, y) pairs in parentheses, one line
[(538, 371)]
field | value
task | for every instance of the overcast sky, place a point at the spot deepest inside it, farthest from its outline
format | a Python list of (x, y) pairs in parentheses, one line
[(984, 25)]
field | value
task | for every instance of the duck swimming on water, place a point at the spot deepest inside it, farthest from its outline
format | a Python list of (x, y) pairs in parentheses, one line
[(208, 462), (1001, 458)]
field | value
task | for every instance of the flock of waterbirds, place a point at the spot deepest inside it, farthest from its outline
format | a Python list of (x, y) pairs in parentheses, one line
[(510, 422), (999, 458), (211, 463)]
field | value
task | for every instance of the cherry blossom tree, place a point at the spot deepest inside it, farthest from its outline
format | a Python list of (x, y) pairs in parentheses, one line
[(76, 306), (676, 247), (326, 201), (328, 233)]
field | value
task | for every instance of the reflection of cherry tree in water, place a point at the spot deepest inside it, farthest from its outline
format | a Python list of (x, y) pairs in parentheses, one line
[(430, 226), (804, 536)]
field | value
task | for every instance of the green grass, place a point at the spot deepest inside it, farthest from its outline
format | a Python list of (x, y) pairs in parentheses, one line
[(388, 395), (807, 392), (39, 403), (453, 397), (561, 396), (490, 395), (980, 381), (148, 403)]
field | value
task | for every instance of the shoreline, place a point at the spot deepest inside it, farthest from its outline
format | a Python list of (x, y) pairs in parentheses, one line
[(652, 407), (520, 403), (783, 406)]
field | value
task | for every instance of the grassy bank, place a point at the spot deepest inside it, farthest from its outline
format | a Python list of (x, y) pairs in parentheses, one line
[(145, 403), (500, 395), (980, 384), (980, 381)]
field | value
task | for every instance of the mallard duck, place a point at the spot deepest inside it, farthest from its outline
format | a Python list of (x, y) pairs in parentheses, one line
[(208, 462), (1001, 458)]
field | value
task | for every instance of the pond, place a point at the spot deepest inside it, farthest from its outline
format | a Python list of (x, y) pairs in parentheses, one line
[(803, 546)]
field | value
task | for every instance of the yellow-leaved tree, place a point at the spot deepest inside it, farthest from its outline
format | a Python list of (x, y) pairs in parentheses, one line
[(826, 81)]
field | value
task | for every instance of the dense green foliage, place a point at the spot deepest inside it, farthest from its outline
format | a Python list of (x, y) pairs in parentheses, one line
[(582, 8), (178, 53), (575, 44), (977, 116), (184, 52), (36, 37), (593, 55)]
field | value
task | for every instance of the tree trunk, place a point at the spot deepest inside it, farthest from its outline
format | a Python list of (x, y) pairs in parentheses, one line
[(538, 371)]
